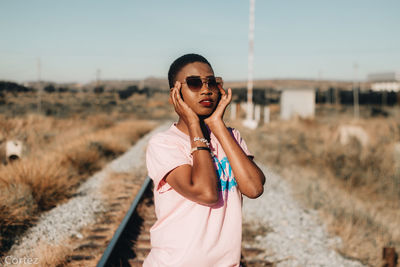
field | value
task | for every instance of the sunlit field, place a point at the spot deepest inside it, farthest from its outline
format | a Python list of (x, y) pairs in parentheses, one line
[(354, 186), (67, 137)]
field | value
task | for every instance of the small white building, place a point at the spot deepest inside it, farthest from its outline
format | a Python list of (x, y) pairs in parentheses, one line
[(297, 102), (385, 81)]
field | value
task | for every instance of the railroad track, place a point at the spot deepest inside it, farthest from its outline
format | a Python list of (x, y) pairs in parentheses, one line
[(131, 241)]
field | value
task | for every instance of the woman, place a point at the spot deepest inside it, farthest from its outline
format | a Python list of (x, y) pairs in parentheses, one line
[(200, 169)]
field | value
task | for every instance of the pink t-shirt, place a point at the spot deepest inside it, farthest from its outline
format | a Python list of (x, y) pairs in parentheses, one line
[(186, 233)]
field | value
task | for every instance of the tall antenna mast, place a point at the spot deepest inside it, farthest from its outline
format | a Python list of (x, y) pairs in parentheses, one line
[(250, 122)]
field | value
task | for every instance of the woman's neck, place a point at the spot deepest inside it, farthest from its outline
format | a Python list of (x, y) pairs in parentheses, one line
[(181, 125)]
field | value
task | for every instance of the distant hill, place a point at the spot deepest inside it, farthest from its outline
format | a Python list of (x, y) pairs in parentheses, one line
[(162, 84)]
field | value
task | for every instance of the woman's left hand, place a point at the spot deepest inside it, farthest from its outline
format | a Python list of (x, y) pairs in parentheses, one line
[(218, 114)]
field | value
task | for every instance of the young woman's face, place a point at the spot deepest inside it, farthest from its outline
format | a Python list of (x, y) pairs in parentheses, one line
[(203, 101)]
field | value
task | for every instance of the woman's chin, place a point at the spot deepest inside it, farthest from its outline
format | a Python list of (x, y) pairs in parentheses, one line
[(204, 116)]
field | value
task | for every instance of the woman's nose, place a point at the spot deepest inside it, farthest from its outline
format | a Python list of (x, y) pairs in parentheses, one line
[(205, 89)]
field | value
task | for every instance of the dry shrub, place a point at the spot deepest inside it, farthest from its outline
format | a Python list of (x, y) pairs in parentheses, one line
[(362, 237), (49, 184), (81, 160), (359, 167), (101, 121), (17, 212), (133, 130), (48, 255), (28, 188)]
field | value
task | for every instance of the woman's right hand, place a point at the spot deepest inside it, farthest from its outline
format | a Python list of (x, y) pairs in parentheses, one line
[(183, 110)]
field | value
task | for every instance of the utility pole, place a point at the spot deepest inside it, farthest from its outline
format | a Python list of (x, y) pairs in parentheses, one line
[(98, 74), (250, 122), (320, 86), (355, 93), (39, 73)]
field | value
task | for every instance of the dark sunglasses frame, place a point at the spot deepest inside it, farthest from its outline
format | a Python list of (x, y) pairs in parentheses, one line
[(195, 83)]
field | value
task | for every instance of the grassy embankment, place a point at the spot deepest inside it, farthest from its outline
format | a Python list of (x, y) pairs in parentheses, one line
[(355, 188), (59, 155)]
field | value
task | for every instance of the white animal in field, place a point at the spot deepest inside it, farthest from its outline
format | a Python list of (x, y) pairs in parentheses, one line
[(13, 150), (346, 132)]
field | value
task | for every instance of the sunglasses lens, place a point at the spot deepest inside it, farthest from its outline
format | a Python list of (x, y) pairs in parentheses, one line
[(219, 81), (212, 83), (194, 83)]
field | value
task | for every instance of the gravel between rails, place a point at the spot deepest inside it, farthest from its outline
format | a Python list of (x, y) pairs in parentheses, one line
[(295, 236), (66, 220)]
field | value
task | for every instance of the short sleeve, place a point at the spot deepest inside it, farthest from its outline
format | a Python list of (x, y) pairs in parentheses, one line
[(241, 142), (162, 156)]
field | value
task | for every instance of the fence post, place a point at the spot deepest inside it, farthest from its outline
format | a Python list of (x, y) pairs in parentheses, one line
[(257, 113), (389, 257), (266, 114)]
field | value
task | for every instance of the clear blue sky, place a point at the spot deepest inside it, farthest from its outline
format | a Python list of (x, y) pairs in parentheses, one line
[(137, 39)]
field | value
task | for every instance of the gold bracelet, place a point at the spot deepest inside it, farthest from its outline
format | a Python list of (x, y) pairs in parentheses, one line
[(200, 148)]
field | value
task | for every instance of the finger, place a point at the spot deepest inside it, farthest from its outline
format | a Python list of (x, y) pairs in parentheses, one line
[(179, 101), (221, 90), (178, 95), (179, 98), (226, 100), (173, 96), (229, 95), (172, 88), (179, 91)]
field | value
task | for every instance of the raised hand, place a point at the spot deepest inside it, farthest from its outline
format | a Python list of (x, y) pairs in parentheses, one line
[(218, 114), (183, 110)]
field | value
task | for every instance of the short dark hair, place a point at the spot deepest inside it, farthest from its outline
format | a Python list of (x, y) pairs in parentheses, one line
[(181, 62)]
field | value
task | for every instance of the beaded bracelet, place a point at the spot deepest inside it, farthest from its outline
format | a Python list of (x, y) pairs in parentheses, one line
[(201, 139), (200, 148)]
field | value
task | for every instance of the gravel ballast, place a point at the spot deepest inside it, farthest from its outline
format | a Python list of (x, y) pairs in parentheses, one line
[(295, 236)]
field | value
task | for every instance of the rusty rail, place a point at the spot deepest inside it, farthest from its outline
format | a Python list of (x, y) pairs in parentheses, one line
[(108, 255)]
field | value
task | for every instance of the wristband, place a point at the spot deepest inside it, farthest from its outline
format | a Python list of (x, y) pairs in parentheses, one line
[(200, 148)]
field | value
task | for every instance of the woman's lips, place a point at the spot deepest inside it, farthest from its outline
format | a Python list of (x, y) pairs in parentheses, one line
[(206, 102)]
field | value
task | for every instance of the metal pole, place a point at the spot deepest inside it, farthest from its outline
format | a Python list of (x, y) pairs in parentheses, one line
[(39, 68), (250, 122), (250, 64), (98, 74), (355, 93)]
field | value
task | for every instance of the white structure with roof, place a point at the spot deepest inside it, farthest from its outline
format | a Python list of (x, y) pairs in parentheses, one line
[(385, 81), (297, 102)]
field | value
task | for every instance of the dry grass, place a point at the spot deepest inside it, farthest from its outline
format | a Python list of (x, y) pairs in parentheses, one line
[(60, 154), (47, 255), (355, 188)]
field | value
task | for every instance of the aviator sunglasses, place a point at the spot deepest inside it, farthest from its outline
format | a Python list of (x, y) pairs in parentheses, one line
[(195, 83)]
